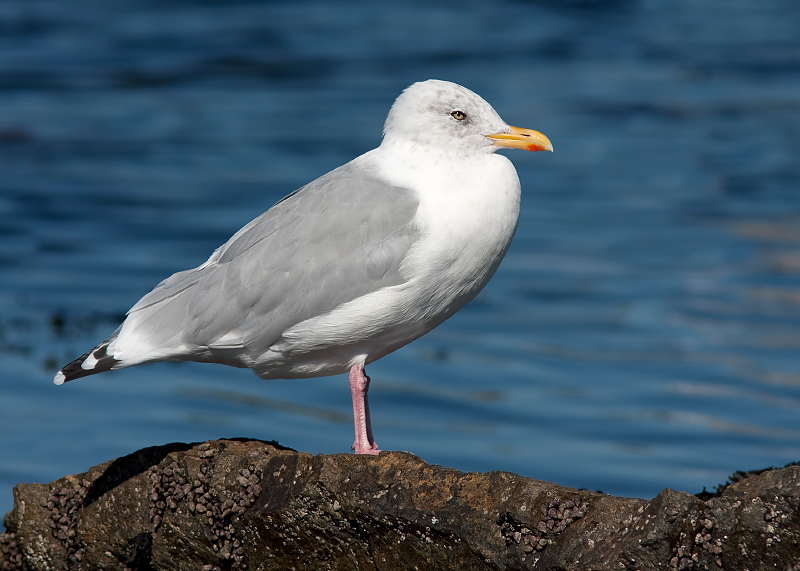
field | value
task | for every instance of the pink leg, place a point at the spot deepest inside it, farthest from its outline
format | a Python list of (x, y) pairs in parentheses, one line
[(359, 385)]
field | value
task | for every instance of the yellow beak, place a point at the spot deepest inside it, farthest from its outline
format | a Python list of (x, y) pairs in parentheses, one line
[(527, 139)]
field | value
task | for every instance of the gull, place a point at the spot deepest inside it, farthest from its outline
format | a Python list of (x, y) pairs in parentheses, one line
[(351, 266)]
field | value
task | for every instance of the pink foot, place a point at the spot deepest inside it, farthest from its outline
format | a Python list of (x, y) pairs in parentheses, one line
[(359, 385)]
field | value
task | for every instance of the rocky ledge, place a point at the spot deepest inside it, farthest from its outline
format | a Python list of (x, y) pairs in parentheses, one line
[(245, 504)]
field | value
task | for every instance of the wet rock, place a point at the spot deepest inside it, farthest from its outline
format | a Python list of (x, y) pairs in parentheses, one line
[(245, 504)]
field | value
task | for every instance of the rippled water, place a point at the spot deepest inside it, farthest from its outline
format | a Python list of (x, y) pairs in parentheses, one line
[(643, 331)]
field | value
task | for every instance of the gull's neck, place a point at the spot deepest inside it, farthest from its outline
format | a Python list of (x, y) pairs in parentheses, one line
[(467, 150)]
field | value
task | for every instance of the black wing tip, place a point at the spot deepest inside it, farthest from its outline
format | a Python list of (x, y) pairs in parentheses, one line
[(75, 370)]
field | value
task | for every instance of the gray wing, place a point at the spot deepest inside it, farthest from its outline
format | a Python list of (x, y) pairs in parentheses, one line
[(338, 238)]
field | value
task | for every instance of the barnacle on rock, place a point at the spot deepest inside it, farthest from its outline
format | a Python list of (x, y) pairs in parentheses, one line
[(64, 503), (686, 554), (13, 559), (171, 487), (556, 517)]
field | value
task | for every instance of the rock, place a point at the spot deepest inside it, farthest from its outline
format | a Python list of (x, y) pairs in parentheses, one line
[(245, 504)]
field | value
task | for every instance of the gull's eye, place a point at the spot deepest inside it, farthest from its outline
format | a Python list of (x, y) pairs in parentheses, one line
[(458, 115)]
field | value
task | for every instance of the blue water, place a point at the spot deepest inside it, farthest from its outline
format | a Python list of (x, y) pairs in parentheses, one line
[(643, 331)]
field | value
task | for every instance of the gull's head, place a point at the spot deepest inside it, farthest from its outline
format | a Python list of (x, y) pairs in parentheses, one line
[(446, 117)]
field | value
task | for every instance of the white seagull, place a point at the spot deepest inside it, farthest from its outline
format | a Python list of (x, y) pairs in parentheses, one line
[(351, 266)]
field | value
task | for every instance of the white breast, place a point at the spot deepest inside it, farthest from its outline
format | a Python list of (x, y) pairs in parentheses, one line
[(468, 214)]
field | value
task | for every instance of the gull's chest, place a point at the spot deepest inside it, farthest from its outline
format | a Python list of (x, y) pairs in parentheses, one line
[(467, 217)]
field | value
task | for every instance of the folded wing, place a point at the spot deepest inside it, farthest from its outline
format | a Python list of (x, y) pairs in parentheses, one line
[(332, 241)]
